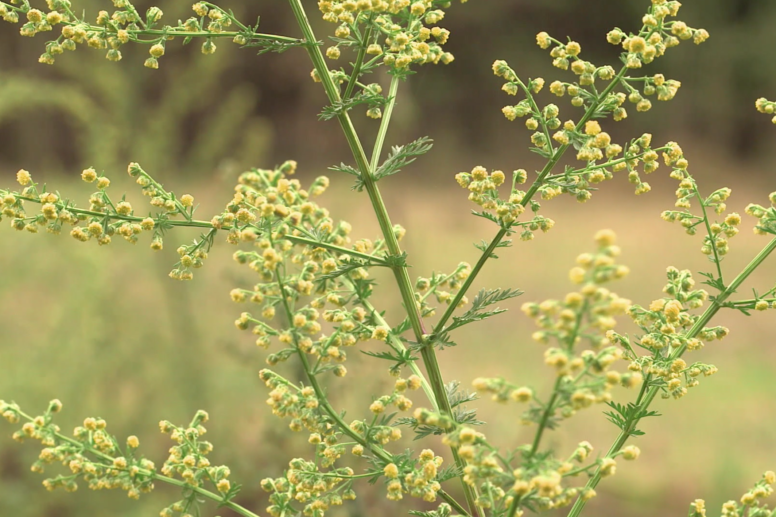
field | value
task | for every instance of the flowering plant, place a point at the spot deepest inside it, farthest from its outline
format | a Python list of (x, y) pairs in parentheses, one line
[(312, 297)]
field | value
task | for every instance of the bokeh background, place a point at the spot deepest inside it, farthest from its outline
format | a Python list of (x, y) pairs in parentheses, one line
[(109, 334)]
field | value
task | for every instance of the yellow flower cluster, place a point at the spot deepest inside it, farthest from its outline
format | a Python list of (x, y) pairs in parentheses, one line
[(584, 376), (484, 191), (544, 483), (591, 142), (397, 398), (278, 218), (408, 30), (188, 459), (502, 391), (419, 480), (656, 36), (318, 491), (442, 287), (665, 323), (379, 434), (766, 216), (304, 483), (763, 105), (92, 454), (298, 404), (748, 504), (110, 31)]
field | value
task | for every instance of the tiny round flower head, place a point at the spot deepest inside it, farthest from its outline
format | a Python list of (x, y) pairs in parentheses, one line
[(133, 442), (103, 183), (55, 406), (631, 452), (605, 238), (89, 175), (700, 36), (510, 112), (380, 333), (644, 105), (156, 50), (208, 47), (113, 55), (333, 52), (592, 128), (414, 382), (608, 467), (615, 36), (573, 48), (34, 15), (147, 224), (522, 394), (391, 471), (543, 40), (124, 208), (479, 173), (223, 486), (200, 8), (23, 177)]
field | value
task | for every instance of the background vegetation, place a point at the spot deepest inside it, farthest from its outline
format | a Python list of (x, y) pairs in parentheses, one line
[(106, 331)]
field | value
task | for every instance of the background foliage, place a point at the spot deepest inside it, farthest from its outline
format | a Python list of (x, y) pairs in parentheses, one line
[(105, 330)]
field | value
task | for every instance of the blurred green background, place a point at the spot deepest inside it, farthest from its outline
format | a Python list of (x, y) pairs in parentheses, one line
[(110, 335)]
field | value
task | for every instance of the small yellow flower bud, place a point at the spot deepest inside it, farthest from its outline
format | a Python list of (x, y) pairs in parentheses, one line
[(391, 471), (543, 40), (631, 452)]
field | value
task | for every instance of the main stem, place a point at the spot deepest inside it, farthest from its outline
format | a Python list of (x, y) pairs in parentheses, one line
[(643, 402), (391, 241)]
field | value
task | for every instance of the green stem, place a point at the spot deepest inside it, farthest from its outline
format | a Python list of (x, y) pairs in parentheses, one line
[(397, 345), (644, 401), (710, 235), (384, 122), (550, 409), (359, 60), (376, 261), (537, 112), (748, 304), (391, 241), (610, 163)]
